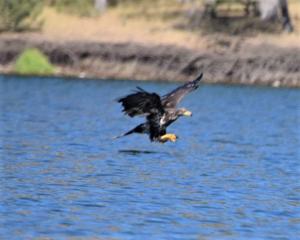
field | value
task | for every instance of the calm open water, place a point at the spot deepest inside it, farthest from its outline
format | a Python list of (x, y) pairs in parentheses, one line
[(233, 174)]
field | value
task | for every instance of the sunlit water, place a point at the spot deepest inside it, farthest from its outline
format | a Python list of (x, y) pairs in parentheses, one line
[(233, 174)]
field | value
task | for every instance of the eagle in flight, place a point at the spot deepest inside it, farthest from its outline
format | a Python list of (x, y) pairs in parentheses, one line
[(160, 112)]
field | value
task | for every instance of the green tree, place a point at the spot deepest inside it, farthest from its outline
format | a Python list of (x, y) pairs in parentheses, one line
[(17, 15)]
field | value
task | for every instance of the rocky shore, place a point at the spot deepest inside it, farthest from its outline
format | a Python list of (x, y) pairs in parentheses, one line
[(230, 63)]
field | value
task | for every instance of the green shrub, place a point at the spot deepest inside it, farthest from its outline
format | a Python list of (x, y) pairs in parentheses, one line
[(16, 15), (33, 61)]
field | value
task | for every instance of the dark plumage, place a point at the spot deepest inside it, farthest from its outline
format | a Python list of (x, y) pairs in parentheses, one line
[(160, 112)]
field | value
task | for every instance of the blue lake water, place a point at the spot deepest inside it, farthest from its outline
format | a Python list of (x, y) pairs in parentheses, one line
[(233, 173)]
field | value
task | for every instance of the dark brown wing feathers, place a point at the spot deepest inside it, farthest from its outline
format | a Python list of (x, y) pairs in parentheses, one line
[(141, 102), (171, 99)]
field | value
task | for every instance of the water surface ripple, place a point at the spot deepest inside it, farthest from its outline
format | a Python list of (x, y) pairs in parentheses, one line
[(233, 174)]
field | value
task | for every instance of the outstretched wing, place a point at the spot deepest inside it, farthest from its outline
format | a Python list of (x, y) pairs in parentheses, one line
[(141, 103), (171, 99)]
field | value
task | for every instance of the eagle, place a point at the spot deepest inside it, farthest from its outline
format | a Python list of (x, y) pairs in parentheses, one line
[(159, 111)]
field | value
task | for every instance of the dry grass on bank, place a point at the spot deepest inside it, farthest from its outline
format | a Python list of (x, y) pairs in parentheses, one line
[(149, 23), (112, 27), (154, 22)]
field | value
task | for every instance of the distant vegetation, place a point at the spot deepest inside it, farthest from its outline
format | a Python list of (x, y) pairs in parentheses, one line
[(16, 15), (33, 61)]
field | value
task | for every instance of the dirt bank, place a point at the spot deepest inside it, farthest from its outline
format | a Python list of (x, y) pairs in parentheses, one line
[(228, 63)]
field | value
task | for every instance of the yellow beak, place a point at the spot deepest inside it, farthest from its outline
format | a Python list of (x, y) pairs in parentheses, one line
[(187, 113)]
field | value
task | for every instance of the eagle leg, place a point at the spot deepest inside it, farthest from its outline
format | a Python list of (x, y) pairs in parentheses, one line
[(168, 137)]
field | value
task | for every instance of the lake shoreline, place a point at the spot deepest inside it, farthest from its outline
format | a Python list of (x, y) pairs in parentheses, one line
[(263, 64)]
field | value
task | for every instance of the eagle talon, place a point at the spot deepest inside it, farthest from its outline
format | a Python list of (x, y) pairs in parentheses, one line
[(168, 137)]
